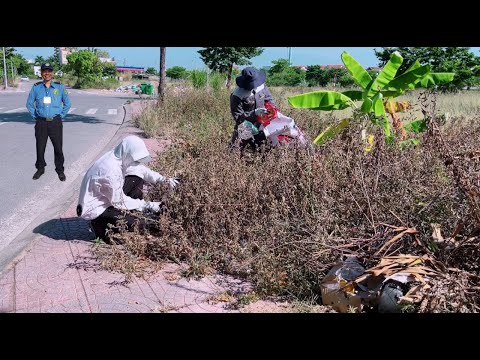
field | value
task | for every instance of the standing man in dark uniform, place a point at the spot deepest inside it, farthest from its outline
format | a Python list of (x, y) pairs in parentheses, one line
[(48, 104)]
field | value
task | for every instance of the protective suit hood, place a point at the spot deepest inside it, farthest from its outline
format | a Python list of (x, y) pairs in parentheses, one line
[(130, 150)]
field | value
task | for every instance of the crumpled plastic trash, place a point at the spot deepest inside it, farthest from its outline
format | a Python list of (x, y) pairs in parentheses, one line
[(246, 130), (338, 289)]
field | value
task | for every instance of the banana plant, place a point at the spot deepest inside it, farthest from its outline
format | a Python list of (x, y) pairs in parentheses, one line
[(376, 96)]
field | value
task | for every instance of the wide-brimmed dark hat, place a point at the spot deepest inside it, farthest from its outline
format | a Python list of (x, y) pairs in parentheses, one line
[(250, 78)]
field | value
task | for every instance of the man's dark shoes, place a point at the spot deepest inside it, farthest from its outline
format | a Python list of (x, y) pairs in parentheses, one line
[(62, 176), (39, 173)]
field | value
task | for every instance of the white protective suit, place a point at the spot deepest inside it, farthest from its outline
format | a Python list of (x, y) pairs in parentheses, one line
[(102, 185)]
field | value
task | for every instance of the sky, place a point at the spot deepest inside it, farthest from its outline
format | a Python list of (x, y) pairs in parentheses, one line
[(189, 58)]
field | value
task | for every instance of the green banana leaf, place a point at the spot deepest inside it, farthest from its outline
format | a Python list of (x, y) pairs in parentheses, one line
[(387, 74), (331, 131), (433, 79), (366, 90), (380, 113), (367, 105), (389, 137), (416, 126), (320, 100), (414, 66), (359, 74), (387, 130), (407, 80), (353, 94), (378, 107)]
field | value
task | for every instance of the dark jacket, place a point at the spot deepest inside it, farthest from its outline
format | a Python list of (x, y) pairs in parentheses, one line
[(244, 102)]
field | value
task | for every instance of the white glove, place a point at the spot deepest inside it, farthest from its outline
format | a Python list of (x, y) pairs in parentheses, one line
[(173, 182), (260, 111), (153, 206)]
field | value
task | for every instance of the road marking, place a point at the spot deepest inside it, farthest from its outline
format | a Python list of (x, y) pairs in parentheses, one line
[(91, 111), (2, 108), (112, 111), (15, 110), (1, 123), (72, 109)]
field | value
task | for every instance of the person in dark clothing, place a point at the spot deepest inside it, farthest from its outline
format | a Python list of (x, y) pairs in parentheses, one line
[(247, 102)]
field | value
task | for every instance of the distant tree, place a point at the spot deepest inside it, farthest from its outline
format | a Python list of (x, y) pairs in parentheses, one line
[(344, 78), (85, 65), (39, 60), (151, 70), (54, 61), (15, 60), (279, 66), (56, 55), (109, 69), (315, 76), (20, 64), (8, 52), (102, 53), (459, 60), (282, 74), (222, 59), (177, 72), (288, 77)]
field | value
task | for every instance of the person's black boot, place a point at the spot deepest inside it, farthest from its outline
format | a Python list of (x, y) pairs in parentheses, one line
[(62, 176), (39, 173)]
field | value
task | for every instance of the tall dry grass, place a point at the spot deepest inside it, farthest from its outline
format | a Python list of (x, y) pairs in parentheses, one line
[(282, 218)]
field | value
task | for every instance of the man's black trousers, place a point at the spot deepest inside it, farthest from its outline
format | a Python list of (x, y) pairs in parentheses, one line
[(54, 130)]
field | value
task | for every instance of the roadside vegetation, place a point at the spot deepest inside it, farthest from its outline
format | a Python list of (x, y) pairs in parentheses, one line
[(283, 219)]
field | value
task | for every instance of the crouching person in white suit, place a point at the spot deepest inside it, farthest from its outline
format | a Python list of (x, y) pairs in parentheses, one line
[(113, 185)]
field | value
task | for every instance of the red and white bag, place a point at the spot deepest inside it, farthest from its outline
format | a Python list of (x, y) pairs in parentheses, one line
[(279, 128)]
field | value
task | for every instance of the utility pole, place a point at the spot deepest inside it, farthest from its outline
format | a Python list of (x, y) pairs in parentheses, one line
[(162, 79), (4, 69), (11, 67), (289, 56)]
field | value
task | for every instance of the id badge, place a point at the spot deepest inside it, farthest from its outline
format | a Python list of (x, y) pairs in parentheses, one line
[(47, 100)]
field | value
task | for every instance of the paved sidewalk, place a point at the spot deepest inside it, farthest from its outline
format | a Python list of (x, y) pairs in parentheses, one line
[(58, 273)]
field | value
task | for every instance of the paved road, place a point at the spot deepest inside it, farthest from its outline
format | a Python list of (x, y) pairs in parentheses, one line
[(91, 123)]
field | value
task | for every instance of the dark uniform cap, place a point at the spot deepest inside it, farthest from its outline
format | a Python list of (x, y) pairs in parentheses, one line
[(46, 66)]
